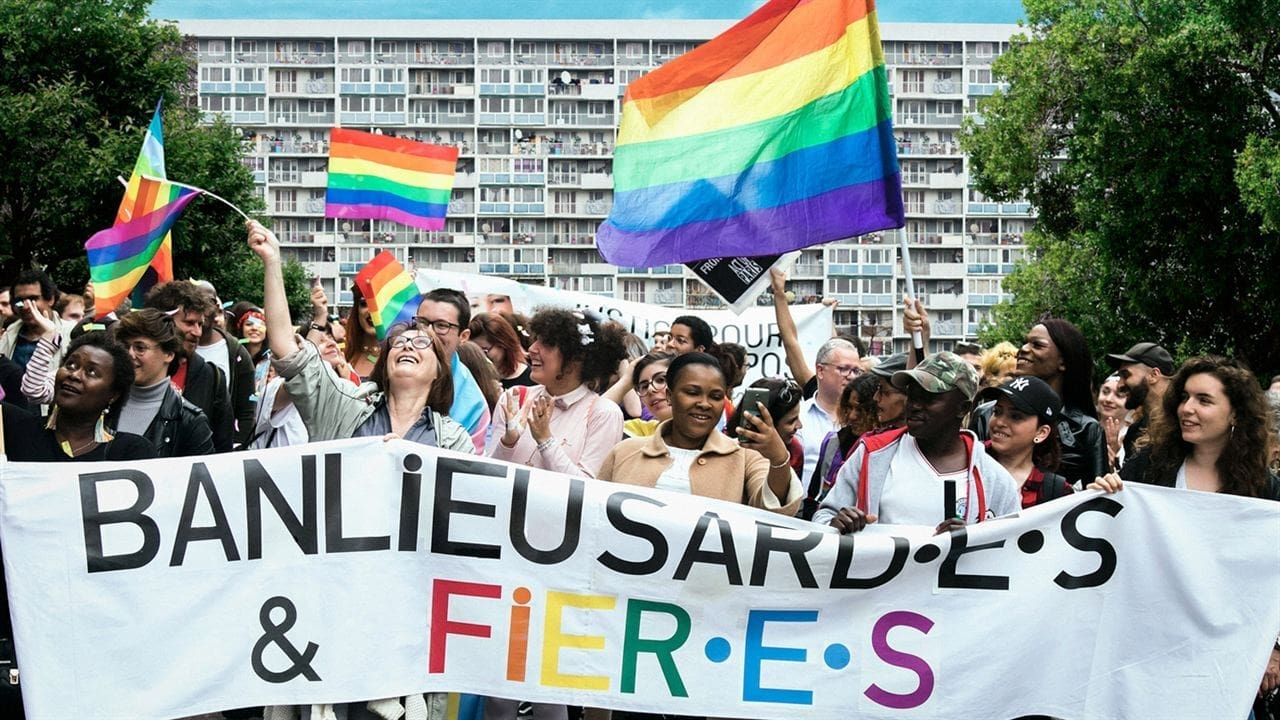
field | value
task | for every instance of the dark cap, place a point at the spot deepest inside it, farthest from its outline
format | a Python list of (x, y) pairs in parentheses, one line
[(939, 373), (890, 365), (1147, 353), (1029, 394)]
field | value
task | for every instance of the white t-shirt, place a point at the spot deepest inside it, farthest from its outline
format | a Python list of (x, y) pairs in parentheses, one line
[(676, 477), (217, 354), (915, 492)]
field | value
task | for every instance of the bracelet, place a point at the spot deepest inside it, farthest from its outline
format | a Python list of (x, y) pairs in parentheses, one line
[(546, 444), (321, 328), (780, 465)]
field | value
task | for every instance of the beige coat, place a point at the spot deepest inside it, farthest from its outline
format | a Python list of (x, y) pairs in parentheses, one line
[(724, 470)]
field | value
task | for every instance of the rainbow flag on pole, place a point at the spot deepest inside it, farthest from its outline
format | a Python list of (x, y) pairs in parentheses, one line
[(375, 177), (137, 203), (119, 255), (390, 292), (773, 136)]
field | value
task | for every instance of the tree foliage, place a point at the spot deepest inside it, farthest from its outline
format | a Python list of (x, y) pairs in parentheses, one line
[(1147, 136), (79, 80)]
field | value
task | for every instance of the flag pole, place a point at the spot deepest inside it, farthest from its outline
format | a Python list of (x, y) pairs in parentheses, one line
[(202, 190), (917, 341)]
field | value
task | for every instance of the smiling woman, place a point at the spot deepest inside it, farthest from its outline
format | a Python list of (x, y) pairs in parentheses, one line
[(410, 394), (688, 455)]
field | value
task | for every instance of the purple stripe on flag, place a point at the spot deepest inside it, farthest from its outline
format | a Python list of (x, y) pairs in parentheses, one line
[(835, 215), (382, 212)]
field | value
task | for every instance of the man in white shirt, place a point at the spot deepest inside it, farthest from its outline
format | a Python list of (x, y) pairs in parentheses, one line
[(837, 364)]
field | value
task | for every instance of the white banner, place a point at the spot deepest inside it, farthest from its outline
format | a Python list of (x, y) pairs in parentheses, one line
[(754, 329), (359, 570)]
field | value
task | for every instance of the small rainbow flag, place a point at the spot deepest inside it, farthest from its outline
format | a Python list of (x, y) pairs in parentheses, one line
[(119, 255), (375, 177), (150, 163), (773, 136), (390, 292)]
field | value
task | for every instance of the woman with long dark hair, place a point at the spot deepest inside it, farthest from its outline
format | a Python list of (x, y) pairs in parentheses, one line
[(1056, 352), (1211, 435), (362, 347)]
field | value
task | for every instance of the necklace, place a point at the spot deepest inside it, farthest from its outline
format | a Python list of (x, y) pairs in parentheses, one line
[(75, 451)]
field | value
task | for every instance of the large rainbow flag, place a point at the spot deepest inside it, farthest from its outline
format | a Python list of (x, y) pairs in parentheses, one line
[(135, 203), (119, 255), (377, 177), (389, 291), (773, 136)]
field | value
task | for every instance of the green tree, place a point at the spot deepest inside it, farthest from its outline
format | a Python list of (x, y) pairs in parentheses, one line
[(1146, 134), (79, 80)]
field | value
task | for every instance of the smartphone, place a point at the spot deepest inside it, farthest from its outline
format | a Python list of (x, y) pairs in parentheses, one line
[(750, 397), (315, 281)]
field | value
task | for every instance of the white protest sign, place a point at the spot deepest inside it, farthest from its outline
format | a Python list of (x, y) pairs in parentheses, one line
[(359, 569), (754, 329)]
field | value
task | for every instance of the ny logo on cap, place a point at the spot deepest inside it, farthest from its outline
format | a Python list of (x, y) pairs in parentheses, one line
[(1020, 384)]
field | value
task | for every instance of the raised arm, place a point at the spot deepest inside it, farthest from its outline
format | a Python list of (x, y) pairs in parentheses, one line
[(275, 306), (796, 362)]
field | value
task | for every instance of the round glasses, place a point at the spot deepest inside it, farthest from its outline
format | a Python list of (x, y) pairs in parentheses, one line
[(419, 342), (659, 382)]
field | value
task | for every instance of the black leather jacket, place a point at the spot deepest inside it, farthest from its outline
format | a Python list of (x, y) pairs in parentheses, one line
[(179, 428), (1084, 444)]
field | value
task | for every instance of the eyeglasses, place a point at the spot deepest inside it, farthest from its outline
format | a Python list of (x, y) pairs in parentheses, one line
[(844, 370), (141, 348), (659, 382), (442, 327), (419, 342)]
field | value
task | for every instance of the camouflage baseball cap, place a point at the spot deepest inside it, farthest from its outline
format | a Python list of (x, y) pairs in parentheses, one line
[(940, 373)]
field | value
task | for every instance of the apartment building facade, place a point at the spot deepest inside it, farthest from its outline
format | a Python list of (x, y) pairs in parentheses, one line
[(533, 107)]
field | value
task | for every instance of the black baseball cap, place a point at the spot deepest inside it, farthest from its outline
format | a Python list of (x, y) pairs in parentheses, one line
[(1030, 395), (1147, 353)]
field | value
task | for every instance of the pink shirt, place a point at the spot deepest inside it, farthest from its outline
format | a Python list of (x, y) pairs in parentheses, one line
[(584, 428)]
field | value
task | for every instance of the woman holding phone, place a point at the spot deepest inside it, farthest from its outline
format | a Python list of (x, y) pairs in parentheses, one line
[(688, 455)]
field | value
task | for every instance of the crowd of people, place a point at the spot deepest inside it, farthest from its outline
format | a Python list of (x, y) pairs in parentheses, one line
[(944, 439)]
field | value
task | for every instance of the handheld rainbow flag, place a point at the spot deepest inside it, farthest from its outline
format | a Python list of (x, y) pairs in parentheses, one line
[(150, 163), (119, 255), (773, 136), (390, 292), (375, 177)]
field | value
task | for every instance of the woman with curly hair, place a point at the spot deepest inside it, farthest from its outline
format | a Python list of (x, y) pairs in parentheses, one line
[(560, 424), (498, 340), (1211, 434)]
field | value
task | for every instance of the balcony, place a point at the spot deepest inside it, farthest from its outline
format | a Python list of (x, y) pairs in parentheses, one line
[(559, 60), (252, 57), (304, 118), (442, 58), (301, 58), (211, 56), (249, 117), (399, 57), (935, 239), (807, 270), (251, 88), (980, 59), (528, 208), (441, 89), (492, 118), (947, 181), (559, 179), (641, 60), (947, 87), (583, 120), (597, 181), (581, 149), (207, 88), (919, 148), (528, 178), (987, 88), (313, 147), (441, 120), (464, 180), (392, 88), (1017, 208), (931, 119), (461, 207), (983, 208), (584, 239), (923, 59)]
